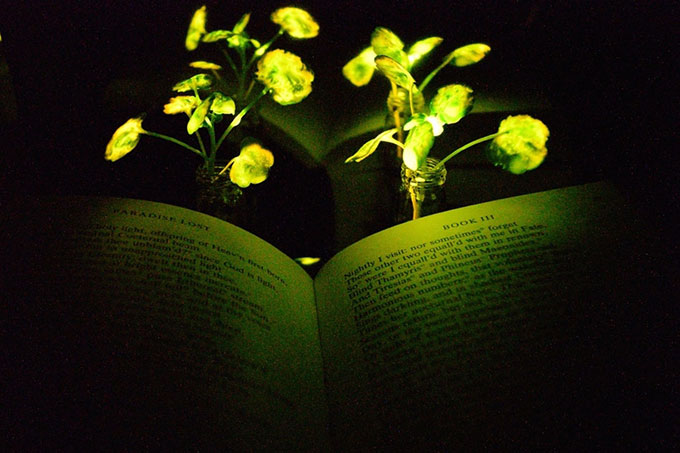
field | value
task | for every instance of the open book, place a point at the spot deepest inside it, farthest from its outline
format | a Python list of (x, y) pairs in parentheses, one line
[(143, 324)]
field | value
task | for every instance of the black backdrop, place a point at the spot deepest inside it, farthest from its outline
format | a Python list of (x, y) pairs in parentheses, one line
[(609, 67)]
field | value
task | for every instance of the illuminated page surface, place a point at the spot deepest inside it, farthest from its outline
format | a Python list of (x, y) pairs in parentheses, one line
[(458, 326), (198, 330)]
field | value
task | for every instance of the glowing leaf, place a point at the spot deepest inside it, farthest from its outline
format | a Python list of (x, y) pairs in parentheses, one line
[(198, 81), (216, 35), (418, 144), (394, 71), (467, 55), (384, 42), (359, 70), (198, 117), (307, 260), (421, 48), (205, 65), (452, 103), (238, 41), (223, 105), (251, 166), (261, 49), (366, 150), (297, 22), (522, 145), (241, 24), (285, 75), (180, 104), (238, 118), (124, 139), (371, 146), (196, 29)]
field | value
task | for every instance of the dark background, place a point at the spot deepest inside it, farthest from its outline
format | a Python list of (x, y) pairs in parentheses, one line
[(80, 70), (607, 69)]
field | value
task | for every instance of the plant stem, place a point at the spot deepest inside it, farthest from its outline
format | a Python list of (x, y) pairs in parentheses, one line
[(213, 149), (414, 202), (237, 119), (195, 90), (177, 142), (227, 166), (230, 61), (431, 75), (242, 75), (464, 147), (250, 88), (397, 120), (198, 136), (266, 46), (200, 143), (216, 74)]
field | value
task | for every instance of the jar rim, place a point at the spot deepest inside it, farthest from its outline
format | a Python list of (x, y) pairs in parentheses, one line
[(425, 176)]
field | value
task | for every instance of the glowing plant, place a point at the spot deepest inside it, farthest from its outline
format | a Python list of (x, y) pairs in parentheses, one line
[(251, 165), (278, 73), (517, 146)]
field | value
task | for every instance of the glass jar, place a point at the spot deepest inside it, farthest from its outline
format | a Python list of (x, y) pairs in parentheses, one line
[(217, 196), (422, 191)]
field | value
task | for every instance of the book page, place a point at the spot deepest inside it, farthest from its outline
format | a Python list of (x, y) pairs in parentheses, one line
[(460, 326), (187, 330)]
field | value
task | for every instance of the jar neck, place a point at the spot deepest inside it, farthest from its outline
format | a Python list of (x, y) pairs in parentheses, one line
[(425, 177), (423, 189)]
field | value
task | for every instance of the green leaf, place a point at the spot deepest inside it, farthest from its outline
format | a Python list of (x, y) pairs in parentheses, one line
[(238, 118), (207, 65), (180, 104), (384, 42), (251, 166), (285, 75), (199, 81), (124, 139), (198, 117), (520, 145), (241, 24), (216, 35), (468, 55), (366, 150), (238, 41), (395, 71), (418, 144), (371, 146), (452, 103), (296, 22), (196, 29), (261, 49), (223, 105), (421, 48), (359, 70)]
